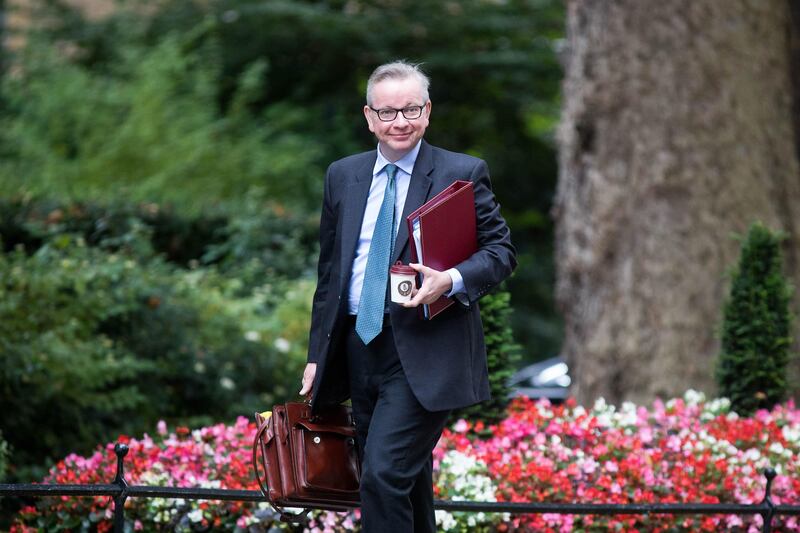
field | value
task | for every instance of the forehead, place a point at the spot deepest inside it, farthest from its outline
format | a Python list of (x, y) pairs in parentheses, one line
[(397, 93)]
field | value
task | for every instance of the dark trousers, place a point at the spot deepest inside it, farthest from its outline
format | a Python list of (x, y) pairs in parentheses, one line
[(395, 435)]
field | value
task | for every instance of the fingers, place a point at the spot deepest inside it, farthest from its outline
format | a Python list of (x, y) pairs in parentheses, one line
[(308, 379), (424, 295), (434, 284), (422, 269), (413, 302)]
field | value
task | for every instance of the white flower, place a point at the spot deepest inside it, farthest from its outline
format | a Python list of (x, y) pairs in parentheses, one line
[(196, 515), (791, 434), (693, 397), (282, 345), (600, 405), (252, 336), (714, 408), (463, 477), (752, 454), (627, 417), (445, 520)]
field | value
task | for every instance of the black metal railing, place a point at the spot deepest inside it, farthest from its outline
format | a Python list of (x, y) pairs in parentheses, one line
[(120, 491)]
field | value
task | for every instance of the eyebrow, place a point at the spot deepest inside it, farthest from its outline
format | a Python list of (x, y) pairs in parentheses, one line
[(405, 106)]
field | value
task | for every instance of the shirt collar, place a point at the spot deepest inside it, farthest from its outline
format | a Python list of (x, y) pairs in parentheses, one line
[(405, 163)]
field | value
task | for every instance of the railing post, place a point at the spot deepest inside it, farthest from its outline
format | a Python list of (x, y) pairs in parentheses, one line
[(769, 512), (119, 500)]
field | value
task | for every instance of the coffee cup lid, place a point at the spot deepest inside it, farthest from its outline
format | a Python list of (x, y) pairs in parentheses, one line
[(400, 268)]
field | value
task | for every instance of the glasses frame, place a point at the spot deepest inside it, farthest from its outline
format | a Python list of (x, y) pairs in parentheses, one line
[(400, 111)]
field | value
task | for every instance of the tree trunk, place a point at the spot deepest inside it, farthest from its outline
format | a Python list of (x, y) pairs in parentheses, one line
[(676, 134)]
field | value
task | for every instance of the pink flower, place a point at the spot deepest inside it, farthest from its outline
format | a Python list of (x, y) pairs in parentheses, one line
[(539, 452), (589, 466)]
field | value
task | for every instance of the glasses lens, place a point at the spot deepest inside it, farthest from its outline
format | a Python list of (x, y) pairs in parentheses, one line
[(412, 112), (387, 114)]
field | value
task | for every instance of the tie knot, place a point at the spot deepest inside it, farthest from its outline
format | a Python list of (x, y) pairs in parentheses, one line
[(391, 171)]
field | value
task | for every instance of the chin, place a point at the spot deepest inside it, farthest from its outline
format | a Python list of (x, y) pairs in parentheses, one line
[(402, 146)]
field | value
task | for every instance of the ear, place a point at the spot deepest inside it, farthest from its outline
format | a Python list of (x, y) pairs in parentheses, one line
[(369, 116), (428, 107)]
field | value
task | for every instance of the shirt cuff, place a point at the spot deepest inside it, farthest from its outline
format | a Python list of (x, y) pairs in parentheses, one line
[(458, 282)]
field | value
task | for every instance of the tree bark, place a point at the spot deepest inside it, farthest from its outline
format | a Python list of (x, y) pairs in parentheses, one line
[(677, 132)]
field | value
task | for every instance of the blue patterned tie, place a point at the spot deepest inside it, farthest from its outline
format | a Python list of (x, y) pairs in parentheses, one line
[(369, 321)]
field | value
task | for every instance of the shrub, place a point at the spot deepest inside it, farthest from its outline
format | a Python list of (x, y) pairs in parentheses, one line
[(751, 368), (281, 240), (181, 238), (502, 355), (148, 128), (95, 342), (61, 379)]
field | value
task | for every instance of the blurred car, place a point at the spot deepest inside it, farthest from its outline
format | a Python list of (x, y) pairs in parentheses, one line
[(545, 379)]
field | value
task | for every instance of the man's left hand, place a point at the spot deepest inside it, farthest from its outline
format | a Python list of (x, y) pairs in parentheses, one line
[(434, 285)]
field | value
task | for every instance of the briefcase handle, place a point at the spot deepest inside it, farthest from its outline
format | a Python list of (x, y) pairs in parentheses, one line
[(285, 516)]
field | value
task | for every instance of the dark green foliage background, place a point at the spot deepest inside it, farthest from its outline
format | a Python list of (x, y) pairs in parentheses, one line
[(756, 336), (3, 458), (101, 335), (160, 180), (198, 105), (502, 353)]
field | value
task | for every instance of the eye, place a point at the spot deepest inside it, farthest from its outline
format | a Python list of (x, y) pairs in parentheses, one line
[(412, 111)]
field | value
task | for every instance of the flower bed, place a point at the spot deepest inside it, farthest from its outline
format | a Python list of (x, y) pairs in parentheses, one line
[(687, 450)]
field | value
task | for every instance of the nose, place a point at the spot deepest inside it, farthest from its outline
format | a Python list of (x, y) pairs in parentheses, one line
[(400, 121)]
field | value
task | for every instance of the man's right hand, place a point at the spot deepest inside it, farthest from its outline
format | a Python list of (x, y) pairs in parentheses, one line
[(308, 379)]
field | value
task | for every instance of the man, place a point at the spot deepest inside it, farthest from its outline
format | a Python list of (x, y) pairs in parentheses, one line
[(403, 374)]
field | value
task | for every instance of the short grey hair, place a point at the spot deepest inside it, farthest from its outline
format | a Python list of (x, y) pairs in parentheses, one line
[(398, 70)]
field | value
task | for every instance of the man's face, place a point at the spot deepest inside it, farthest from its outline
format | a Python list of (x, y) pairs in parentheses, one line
[(399, 136)]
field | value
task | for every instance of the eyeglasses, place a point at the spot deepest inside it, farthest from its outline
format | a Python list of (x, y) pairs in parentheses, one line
[(389, 114)]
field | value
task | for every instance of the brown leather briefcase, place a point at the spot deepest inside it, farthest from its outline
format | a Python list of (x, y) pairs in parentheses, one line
[(310, 461)]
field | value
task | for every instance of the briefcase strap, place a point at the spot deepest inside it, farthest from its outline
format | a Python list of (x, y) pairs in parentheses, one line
[(285, 516)]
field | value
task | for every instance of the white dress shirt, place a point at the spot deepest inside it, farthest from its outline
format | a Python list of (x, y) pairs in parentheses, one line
[(405, 166)]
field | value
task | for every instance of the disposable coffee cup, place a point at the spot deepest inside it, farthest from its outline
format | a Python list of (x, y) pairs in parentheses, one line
[(402, 279)]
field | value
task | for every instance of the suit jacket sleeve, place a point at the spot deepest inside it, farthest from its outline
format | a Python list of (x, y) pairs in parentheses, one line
[(496, 257), (327, 238)]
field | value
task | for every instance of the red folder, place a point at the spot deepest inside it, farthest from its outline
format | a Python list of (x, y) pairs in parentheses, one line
[(442, 234)]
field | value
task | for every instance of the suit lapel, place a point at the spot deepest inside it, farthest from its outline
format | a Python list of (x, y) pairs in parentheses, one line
[(355, 202), (417, 194)]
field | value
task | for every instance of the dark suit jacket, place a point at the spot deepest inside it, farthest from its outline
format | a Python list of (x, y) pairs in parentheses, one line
[(444, 359)]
